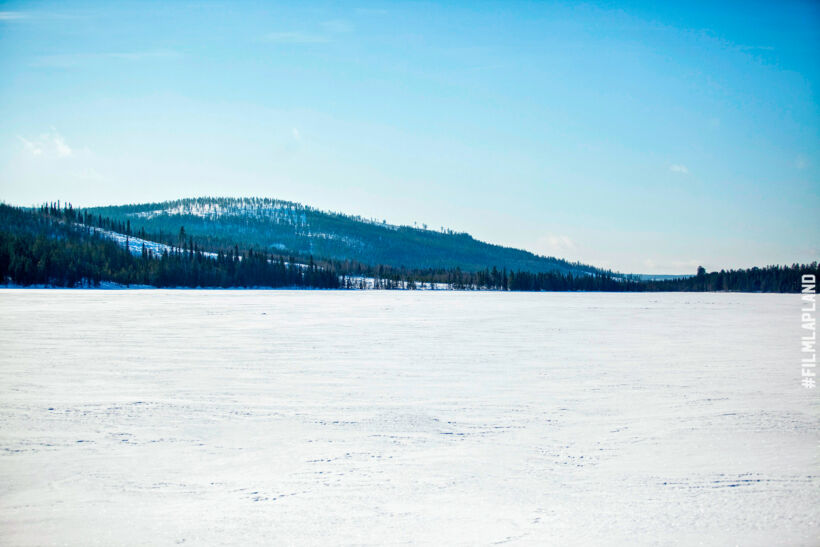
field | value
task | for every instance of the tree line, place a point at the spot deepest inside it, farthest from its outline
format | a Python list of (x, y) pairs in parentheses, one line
[(48, 247), (57, 245)]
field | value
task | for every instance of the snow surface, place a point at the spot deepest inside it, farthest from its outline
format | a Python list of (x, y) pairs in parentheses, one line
[(384, 417)]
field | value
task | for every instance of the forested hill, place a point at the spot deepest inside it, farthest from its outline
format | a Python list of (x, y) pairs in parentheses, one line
[(56, 246), (288, 228), (50, 247)]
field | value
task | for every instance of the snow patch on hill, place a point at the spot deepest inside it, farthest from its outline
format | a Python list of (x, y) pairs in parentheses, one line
[(136, 244), (254, 208)]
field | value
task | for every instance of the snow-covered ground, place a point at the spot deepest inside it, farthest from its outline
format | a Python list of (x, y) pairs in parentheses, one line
[(387, 417)]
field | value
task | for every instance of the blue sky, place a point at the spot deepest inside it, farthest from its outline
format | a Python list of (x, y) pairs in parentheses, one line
[(641, 137)]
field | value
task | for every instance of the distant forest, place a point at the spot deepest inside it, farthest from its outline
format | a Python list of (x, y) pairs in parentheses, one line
[(53, 247), (278, 226), (63, 247)]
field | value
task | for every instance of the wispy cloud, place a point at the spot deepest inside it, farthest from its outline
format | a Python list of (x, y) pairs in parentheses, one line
[(11, 15), (68, 60), (143, 55), (60, 146), (31, 147), (755, 48), (371, 11), (677, 168), (47, 145), (297, 136), (555, 244), (89, 173), (801, 162), (294, 37), (37, 14), (328, 29), (337, 26)]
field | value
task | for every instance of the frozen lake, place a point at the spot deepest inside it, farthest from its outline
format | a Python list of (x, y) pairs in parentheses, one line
[(305, 417)]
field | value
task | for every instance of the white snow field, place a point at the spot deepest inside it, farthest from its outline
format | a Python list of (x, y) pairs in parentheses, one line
[(381, 418)]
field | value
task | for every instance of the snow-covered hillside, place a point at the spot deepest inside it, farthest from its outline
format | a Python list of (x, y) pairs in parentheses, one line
[(300, 230), (136, 244), (256, 208)]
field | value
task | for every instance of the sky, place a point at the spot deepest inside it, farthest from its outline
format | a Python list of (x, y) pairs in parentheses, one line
[(640, 136)]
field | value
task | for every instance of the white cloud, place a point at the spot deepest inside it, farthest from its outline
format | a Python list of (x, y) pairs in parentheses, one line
[(31, 147), (801, 162), (60, 146), (294, 38), (49, 145), (677, 168), (555, 244), (296, 135), (9, 15)]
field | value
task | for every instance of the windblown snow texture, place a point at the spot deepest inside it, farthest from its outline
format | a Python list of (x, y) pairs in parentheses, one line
[(447, 418)]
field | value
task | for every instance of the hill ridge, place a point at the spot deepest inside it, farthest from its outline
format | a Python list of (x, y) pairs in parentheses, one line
[(273, 224)]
